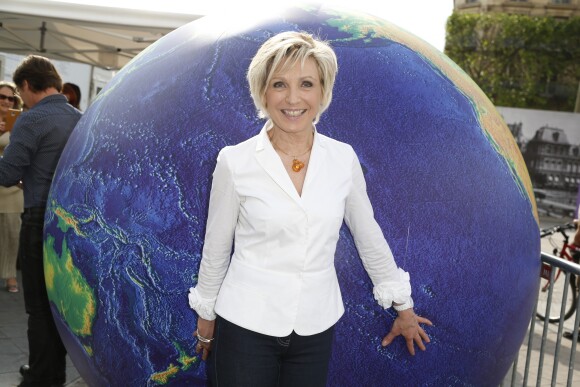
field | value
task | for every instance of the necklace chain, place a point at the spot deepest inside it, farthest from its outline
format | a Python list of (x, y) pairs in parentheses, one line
[(297, 164), (295, 157)]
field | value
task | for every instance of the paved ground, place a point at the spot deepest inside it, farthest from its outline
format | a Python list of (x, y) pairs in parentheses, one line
[(14, 344)]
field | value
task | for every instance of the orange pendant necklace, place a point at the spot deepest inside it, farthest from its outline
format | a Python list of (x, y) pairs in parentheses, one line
[(297, 165)]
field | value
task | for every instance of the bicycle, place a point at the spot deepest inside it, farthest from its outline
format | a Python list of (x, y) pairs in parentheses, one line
[(566, 251)]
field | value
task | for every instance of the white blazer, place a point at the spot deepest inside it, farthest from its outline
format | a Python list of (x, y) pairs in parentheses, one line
[(281, 275)]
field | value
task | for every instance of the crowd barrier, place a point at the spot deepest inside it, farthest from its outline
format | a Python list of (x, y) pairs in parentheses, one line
[(546, 358)]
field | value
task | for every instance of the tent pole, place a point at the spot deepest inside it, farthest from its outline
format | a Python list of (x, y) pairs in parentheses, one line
[(42, 35), (91, 85)]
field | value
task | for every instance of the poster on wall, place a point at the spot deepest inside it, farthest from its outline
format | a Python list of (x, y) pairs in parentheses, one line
[(550, 144)]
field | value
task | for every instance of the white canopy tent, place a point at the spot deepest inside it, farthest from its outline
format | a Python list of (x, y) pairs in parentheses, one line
[(104, 37)]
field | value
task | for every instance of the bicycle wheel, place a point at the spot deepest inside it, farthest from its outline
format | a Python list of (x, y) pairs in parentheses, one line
[(557, 298)]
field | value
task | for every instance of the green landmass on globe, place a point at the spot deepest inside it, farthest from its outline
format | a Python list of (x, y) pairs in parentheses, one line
[(184, 359), (75, 300), (65, 283)]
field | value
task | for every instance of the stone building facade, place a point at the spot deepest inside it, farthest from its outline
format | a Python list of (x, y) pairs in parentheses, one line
[(552, 161), (556, 8)]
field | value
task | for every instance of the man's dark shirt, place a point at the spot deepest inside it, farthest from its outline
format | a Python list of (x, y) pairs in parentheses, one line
[(36, 143)]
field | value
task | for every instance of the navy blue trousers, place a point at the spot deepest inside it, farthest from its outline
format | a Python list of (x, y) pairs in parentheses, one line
[(243, 358)]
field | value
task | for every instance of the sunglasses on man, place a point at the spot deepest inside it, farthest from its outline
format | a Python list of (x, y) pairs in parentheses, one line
[(8, 97)]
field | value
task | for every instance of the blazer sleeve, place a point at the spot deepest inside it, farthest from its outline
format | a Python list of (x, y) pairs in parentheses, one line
[(391, 284), (224, 207)]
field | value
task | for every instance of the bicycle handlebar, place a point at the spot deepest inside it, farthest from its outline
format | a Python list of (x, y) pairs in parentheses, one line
[(561, 228)]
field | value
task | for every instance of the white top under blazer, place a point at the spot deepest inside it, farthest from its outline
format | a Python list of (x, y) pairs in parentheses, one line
[(281, 275)]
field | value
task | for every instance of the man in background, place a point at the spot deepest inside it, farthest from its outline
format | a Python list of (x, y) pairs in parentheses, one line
[(36, 143)]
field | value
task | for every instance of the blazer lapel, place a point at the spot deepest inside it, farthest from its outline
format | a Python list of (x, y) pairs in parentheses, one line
[(316, 163), (271, 163)]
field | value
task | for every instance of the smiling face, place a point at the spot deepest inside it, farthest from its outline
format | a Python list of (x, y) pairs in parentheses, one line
[(293, 97), (6, 94)]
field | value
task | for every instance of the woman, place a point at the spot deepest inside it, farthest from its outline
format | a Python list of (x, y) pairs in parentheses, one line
[(281, 197), (11, 199)]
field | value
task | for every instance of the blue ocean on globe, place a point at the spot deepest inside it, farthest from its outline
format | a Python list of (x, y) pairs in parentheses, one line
[(126, 219)]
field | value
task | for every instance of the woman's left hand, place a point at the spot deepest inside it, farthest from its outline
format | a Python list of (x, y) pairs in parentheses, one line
[(407, 325)]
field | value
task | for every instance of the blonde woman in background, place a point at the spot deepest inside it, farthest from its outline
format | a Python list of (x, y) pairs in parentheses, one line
[(11, 198)]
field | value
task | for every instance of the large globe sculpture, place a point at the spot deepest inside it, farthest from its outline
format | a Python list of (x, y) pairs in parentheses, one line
[(125, 224)]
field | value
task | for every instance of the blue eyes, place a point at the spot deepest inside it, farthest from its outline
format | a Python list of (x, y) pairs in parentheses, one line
[(278, 85)]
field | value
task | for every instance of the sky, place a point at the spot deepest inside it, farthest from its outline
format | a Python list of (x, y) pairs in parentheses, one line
[(424, 18)]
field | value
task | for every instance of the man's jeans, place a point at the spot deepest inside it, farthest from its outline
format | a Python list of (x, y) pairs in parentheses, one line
[(46, 351), (244, 358)]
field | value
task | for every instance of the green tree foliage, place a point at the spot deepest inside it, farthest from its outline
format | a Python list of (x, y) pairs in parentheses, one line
[(518, 60)]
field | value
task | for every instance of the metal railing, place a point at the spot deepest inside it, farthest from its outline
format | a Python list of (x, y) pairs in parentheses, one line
[(550, 349)]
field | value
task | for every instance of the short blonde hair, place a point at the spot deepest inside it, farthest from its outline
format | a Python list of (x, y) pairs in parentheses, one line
[(286, 49)]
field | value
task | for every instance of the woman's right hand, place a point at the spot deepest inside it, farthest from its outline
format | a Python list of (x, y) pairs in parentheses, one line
[(205, 329)]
